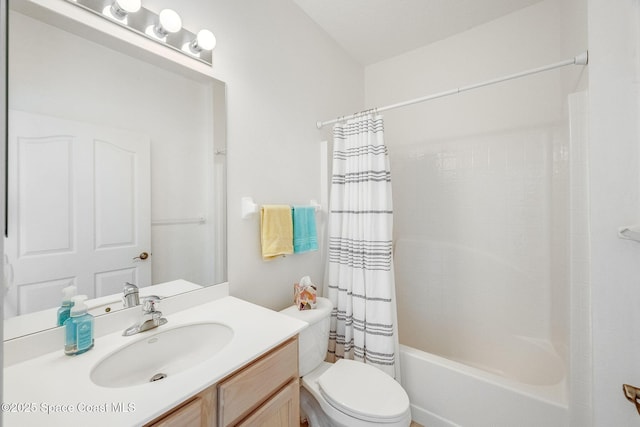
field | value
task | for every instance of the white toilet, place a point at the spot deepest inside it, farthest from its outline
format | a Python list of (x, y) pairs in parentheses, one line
[(346, 393)]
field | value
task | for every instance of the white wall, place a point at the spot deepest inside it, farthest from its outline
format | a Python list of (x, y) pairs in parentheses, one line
[(534, 36), (614, 75), (283, 74)]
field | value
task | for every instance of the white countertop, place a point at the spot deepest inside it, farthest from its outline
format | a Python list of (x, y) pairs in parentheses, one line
[(61, 384)]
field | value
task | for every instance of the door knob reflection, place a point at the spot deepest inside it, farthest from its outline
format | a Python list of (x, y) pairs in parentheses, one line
[(142, 256)]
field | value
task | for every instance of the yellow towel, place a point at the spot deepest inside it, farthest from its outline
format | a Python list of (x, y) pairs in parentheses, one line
[(276, 230)]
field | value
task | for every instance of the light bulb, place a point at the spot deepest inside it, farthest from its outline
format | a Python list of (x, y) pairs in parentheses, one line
[(205, 40), (168, 22), (120, 8)]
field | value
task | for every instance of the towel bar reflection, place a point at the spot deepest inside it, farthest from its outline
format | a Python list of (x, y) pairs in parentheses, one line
[(177, 221), (249, 207)]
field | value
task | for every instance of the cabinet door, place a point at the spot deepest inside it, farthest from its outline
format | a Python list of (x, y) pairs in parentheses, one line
[(198, 412), (245, 391), (282, 410)]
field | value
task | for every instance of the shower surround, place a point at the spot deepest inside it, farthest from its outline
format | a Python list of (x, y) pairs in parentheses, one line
[(491, 223), (480, 260), (474, 226)]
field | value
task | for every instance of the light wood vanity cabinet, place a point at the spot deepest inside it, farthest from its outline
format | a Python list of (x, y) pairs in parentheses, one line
[(283, 409), (256, 388), (264, 393), (199, 411)]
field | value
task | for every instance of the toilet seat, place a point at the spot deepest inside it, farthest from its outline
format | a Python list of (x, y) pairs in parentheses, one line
[(364, 392)]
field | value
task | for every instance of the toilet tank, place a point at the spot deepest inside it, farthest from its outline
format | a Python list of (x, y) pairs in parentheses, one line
[(314, 339)]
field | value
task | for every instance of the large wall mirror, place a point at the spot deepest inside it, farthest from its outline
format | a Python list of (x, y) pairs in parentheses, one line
[(115, 171)]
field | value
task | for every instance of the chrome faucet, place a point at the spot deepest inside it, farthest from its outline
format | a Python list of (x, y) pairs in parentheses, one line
[(131, 295), (151, 318)]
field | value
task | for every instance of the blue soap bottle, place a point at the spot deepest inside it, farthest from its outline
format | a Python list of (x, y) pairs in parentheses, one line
[(78, 328), (65, 309)]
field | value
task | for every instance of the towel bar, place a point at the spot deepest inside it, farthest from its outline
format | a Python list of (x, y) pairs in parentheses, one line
[(249, 207)]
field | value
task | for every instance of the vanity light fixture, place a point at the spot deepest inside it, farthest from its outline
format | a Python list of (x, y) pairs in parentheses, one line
[(204, 40), (119, 9), (168, 22), (164, 27)]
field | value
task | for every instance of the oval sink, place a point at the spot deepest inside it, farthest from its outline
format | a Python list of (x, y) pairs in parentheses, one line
[(163, 354)]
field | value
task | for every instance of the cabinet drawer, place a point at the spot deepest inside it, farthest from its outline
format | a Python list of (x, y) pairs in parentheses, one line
[(243, 392), (198, 412), (283, 409)]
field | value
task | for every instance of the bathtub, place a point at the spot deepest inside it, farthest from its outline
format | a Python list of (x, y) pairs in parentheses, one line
[(469, 393)]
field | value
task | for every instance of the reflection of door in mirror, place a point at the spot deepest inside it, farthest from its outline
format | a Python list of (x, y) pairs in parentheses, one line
[(79, 210)]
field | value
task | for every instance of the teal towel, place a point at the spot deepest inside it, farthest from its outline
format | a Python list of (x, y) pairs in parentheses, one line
[(305, 237)]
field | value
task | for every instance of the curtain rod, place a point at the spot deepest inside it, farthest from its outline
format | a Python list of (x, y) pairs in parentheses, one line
[(581, 59)]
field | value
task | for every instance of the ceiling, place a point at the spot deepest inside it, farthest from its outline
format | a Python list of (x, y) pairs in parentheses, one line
[(374, 30)]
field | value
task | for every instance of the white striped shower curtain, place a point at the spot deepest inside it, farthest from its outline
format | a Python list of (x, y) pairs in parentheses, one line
[(360, 278)]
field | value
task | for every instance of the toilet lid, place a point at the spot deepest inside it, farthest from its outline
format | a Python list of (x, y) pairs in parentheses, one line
[(363, 391)]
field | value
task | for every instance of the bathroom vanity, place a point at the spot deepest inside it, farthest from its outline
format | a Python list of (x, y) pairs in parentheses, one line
[(249, 378), (264, 392)]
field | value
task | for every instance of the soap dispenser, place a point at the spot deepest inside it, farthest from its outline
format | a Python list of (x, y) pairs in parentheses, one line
[(65, 309), (78, 328)]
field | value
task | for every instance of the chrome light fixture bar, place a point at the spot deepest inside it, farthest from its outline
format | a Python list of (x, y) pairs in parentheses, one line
[(164, 28)]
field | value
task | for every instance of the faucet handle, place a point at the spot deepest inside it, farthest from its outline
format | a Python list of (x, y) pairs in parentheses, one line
[(149, 303)]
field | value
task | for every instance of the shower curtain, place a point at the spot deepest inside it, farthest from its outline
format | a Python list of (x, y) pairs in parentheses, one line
[(360, 278)]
